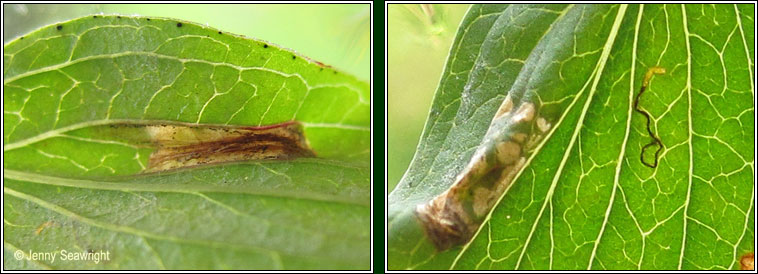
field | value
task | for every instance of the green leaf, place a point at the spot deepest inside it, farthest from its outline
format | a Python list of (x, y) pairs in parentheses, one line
[(583, 199), (74, 174)]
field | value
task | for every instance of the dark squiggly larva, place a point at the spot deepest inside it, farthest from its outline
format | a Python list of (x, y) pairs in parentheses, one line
[(453, 217)]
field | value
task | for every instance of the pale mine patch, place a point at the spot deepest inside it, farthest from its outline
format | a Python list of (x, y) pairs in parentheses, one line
[(519, 137), (509, 173), (481, 200), (508, 152), (543, 125), (535, 138), (505, 107), (475, 167), (524, 113)]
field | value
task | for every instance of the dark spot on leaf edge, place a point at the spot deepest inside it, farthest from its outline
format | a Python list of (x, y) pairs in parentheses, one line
[(293, 57), (265, 46), (179, 25), (59, 27)]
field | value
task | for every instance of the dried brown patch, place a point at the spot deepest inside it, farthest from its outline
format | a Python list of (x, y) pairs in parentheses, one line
[(747, 262), (180, 145), (444, 222)]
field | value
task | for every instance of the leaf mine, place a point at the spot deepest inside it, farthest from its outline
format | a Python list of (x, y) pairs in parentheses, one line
[(524, 113), (656, 141), (506, 107), (453, 217), (180, 146), (543, 125)]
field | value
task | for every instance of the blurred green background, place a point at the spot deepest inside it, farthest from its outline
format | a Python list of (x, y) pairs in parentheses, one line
[(336, 35), (418, 40)]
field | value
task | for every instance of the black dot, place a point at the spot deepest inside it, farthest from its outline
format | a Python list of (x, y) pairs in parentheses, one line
[(22, 38), (94, 16), (119, 17), (179, 25), (265, 46), (293, 57), (148, 19), (219, 32), (59, 27)]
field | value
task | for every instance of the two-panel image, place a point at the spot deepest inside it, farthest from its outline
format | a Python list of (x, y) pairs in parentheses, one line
[(378, 137)]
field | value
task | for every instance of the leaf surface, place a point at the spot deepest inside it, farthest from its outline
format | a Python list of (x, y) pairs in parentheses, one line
[(584, 200), (74, 174)]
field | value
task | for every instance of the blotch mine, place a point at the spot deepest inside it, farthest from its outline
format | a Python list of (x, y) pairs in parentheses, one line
[(524, 113), (519, 137), (508, 152), (506, 107), (543, 125), (186, 145), (482, 198)]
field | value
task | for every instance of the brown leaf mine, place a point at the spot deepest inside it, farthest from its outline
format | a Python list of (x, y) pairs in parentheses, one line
[(182, 145), (747, 262), (453, 217)]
